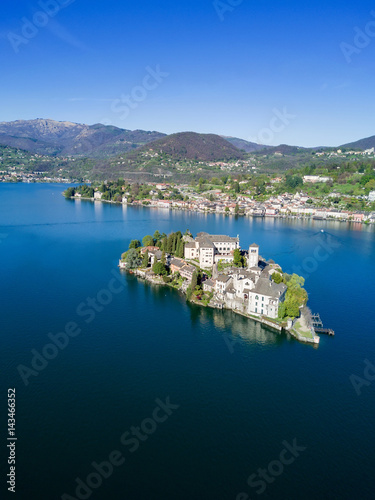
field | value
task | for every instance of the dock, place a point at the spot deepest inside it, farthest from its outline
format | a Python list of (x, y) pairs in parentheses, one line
[(326, 331), (318, 326)]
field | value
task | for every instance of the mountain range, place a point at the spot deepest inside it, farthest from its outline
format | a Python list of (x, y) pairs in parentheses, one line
[(362, 144), (104, 151), (50, 137)]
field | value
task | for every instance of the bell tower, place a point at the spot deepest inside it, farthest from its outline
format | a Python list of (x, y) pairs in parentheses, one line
[(253, 258)]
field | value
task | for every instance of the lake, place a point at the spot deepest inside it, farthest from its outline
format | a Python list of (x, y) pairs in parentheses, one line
[(181, 402)]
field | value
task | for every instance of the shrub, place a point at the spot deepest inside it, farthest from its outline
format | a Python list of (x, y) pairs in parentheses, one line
[(160, 269)]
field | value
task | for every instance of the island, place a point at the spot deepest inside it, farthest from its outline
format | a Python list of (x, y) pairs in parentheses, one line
[(213, 271)]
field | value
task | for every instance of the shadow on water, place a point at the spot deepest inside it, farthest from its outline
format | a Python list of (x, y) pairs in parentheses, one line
[(236, 327), (232, 326)]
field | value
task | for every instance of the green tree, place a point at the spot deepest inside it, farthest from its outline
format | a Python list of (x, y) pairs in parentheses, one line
[(134, 244), (194, 281), (70, 192), (133, 259), (160, 269), (296, 290), (163, 259), (296, 295), (145, 259), (277, 278), (148, 241), (238, 259), (282, 310), (180, 249), (293, 181), (157, 236), (237, 209), (169, 248), (292, 307), (174, 243)]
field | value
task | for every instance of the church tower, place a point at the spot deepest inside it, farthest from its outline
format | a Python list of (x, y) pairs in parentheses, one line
[(253, 258)]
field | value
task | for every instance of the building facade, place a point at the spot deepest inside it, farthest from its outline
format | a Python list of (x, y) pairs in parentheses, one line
[(266, 297), (210, 249)]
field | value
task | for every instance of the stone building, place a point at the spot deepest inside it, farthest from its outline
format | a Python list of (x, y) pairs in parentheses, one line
[(266, 297), (209, 249)]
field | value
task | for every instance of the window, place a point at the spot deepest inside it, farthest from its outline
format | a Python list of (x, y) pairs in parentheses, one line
[(263, 299)]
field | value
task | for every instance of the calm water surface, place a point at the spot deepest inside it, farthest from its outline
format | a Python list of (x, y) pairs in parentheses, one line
[(242, 390)]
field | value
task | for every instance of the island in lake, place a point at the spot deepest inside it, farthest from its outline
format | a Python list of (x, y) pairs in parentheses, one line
[(213, 271)]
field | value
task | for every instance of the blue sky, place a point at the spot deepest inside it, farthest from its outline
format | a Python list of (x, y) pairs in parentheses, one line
[(223, 68)]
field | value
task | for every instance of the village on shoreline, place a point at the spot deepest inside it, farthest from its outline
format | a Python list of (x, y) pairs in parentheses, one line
[(213, 271), (183, 197)]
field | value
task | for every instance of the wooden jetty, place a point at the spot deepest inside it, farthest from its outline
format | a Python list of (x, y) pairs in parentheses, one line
[(326, 331), (318, 326)]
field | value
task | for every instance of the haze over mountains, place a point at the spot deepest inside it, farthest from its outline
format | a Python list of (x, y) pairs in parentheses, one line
[(367, 143), (193, 146), (50, 137)]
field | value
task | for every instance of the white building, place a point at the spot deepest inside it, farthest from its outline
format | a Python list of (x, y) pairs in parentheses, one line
[(371, 196), (98, 195), (222, 283), (265, 298), (250, 290), (316, 178), (253, 258), (210, 249)]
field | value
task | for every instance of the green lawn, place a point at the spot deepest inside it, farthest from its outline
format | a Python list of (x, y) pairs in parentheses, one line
[(303, 331)]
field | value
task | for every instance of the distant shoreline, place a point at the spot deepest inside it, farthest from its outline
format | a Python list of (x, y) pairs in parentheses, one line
[(212, 212)]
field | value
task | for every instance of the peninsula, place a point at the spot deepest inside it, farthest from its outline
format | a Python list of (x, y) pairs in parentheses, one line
[(213, 271)]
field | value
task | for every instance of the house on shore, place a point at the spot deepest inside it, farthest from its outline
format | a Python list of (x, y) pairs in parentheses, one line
[(265, 297)]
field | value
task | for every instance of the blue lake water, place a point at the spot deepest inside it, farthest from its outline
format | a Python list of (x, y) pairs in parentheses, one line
[(242, 390)]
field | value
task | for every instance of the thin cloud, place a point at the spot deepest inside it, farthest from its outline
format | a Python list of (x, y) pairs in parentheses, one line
[(91, 99), (333, 86), (59, 31), (343, 85)]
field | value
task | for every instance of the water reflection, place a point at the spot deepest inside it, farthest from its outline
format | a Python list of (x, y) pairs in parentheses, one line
[(98, 208), (235, 326), (220, 322)]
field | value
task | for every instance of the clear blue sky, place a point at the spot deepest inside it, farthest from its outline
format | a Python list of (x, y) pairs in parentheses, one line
[(226, 74)]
